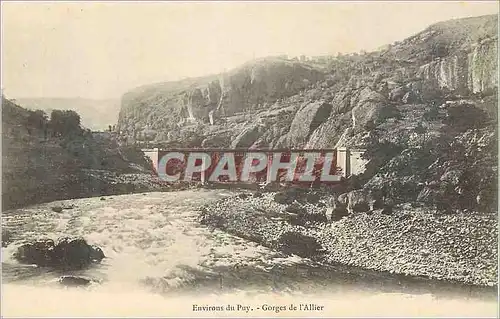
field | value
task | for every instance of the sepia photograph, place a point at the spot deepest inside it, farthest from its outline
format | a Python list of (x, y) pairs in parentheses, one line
[(288, 159)]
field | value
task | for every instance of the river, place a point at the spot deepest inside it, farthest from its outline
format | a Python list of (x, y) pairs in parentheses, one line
[(162, 262)]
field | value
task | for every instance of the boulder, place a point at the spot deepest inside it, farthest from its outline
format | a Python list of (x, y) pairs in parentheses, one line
[(296, 209), (397, 94), (243, 195), (452, 176), (6, 237), (300, 216), (220, 139), (67, 253), (438, 197), (487, 199), (329, 133), (410, 98), (387, 209), (428, 195), (57, 209), (313, 198), (269, 186), (247, 137), (257, 195), (39, 253), (306, 120), (290, 195), (360, 200), (283, 198), (369, 105), (299, 244), (74, 281), (335, 209), (463, 117)]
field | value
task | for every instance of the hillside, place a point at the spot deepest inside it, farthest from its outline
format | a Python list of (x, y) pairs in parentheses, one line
[(457, 55), (96, 115), (156, 112), (43, 162), (425, 108)]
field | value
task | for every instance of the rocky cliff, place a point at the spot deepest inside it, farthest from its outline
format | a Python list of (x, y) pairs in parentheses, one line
[(406, 104), (153, 112), (470, 71), (277, 102)]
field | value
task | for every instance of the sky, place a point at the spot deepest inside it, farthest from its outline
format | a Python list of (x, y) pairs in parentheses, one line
[(101, 50)]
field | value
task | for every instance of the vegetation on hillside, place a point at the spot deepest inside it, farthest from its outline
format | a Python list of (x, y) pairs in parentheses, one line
[(47, 158)]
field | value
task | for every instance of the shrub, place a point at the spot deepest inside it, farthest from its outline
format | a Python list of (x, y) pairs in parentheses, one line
[(64, 122)]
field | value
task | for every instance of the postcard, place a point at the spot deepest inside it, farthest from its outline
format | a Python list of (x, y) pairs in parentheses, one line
[(249, 159)]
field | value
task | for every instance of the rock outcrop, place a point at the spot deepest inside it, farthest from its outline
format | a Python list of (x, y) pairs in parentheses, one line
[(306, 121), (210, 99), (66, 253), (248, 137), (74, 281), (6, 237), (471, 71), (324, 106)]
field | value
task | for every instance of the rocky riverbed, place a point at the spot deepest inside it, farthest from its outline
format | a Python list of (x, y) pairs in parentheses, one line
[(158, 254), (412, 241)]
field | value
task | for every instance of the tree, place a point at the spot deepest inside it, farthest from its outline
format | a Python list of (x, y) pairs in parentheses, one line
[(64, 122), (37, 120)]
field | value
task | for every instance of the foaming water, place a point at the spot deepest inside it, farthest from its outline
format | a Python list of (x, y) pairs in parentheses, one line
[(160, 261)]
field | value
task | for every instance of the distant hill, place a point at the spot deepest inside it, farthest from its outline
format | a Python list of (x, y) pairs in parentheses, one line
[(95, 114)]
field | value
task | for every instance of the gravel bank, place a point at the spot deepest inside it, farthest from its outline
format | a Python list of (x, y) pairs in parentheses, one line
[(459, 247)]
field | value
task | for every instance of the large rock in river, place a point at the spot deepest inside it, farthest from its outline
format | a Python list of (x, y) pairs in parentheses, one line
[(6, 237), (67, 253)]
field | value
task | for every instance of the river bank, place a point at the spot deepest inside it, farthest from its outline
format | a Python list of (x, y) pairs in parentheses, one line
[(418, 242), (89, 183), (158, 254)]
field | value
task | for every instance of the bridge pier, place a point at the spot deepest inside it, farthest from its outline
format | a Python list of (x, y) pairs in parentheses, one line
[(351, 161)]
